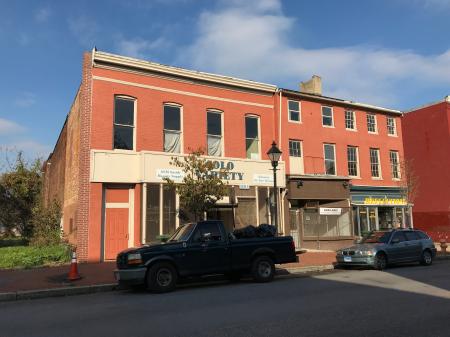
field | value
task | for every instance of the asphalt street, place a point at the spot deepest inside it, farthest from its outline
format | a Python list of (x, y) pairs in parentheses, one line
[(402, 301)]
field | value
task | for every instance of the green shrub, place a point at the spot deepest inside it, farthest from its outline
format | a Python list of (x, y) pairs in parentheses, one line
[(32, 256), (46, 225)]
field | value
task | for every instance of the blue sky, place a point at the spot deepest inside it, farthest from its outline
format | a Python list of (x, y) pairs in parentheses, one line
[(393, 53)]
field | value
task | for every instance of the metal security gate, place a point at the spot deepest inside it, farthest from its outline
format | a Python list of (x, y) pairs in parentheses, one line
[(294, 221)]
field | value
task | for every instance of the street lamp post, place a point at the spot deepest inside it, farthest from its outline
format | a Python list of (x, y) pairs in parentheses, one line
[(274, 154)]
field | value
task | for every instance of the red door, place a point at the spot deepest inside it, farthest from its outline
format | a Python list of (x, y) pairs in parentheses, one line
[(116, 232)]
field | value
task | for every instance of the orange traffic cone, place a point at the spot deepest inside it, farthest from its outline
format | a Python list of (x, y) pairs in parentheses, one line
[(73, 273)]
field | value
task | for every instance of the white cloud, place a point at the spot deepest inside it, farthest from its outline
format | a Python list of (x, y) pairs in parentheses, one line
[(31, 148), (234, 40), (9, 127), (25, 100), (138, 47), (84, 29), (42, 14)]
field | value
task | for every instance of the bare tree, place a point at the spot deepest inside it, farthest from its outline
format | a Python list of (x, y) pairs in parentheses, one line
[(410, 181)]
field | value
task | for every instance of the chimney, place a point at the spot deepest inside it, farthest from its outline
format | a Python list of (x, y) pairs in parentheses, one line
[(313, 86)]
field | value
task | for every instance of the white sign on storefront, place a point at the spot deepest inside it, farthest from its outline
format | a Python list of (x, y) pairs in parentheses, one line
[(263, 179), (330, 211), (173, 174)]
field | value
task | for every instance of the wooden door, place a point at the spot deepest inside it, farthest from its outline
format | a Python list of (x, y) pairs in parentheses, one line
[(116, 231)]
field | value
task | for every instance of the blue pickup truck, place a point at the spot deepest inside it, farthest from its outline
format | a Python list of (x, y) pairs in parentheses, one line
[(203, 248)]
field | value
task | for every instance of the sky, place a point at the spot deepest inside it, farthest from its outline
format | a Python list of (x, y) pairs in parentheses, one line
[(392, 53)]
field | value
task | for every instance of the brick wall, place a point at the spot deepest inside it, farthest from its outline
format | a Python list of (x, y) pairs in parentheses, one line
[(82, 218)]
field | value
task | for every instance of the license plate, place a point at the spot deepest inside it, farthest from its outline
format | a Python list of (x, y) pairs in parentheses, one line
[(347, 259)]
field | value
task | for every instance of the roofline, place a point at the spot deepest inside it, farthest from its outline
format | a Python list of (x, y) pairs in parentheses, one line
[(124, 61), (444, 100), (315, 177), (340, 101)]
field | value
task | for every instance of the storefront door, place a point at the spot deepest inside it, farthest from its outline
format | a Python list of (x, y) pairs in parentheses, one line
[(117, 221), (294, 221)]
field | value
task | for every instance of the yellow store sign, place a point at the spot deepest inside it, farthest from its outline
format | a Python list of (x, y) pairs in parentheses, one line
[(385, 201)]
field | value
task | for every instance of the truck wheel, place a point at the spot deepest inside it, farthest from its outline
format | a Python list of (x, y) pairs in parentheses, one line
[(161, 277), (263, 269)]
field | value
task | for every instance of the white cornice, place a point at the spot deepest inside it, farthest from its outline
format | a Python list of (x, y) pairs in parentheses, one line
[(129, 62)]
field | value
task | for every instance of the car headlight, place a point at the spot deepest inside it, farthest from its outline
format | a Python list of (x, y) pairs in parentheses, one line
[(134, 258), (367, 252)]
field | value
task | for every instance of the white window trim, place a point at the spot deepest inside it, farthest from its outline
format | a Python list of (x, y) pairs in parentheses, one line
[(355, 128), (376, 124), (358, 172), (259, 135), (301, 147), (178, 105), (332, 116), (299, 112), (222, 125), (335, 161), (380, 177), (134, 99), (395, 127), (398, 166)]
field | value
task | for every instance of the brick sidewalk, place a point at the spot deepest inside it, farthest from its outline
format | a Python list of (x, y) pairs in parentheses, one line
[(102, 273)]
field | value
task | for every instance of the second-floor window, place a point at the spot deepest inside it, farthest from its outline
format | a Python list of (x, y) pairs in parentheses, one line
[(391, 126), (350, 120), (327, 116), (124, 123), (295, 148), (395, 170), (252, 137), (329, 158), (371, 123), (172, 128), (352, 160), (214, 133), (375, 163), (294, 111)]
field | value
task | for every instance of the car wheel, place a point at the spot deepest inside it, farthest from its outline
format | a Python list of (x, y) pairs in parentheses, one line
[(426, 258), (161, 277), (380, 261), (263, 269)]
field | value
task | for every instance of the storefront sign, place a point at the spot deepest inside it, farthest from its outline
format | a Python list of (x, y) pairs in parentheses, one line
[(244, 187), (263, 179), (173, 174), (385, 201), (330, 211)]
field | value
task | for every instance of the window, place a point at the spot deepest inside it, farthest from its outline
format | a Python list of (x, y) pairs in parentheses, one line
[(210, 230), (327, 116), (123, 123), (330, 162), (350, 120), (352, 160), (214, 133), (391, 126), (375, 163), (411, 236), (172, 128), (371, 123), (422, 235), (252, 137), (294, 111), (295, 148), (393, 156), (400, 236)]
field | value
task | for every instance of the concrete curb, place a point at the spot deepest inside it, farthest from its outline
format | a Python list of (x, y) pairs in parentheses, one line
[(442, 257), (56, 292)]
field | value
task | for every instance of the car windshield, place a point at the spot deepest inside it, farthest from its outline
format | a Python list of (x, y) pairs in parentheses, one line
[(182, 233), (377, 237)]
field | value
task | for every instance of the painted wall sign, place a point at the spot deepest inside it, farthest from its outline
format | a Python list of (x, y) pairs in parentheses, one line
[(385, 201), (330, 211)]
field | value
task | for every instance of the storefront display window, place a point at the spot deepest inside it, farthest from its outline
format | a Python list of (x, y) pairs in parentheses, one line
[(385, 217), (246, 212), (152, 215), (316, 225)]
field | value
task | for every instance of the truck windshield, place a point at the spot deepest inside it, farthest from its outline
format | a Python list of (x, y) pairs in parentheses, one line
[(182, 233), (377, 237)]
